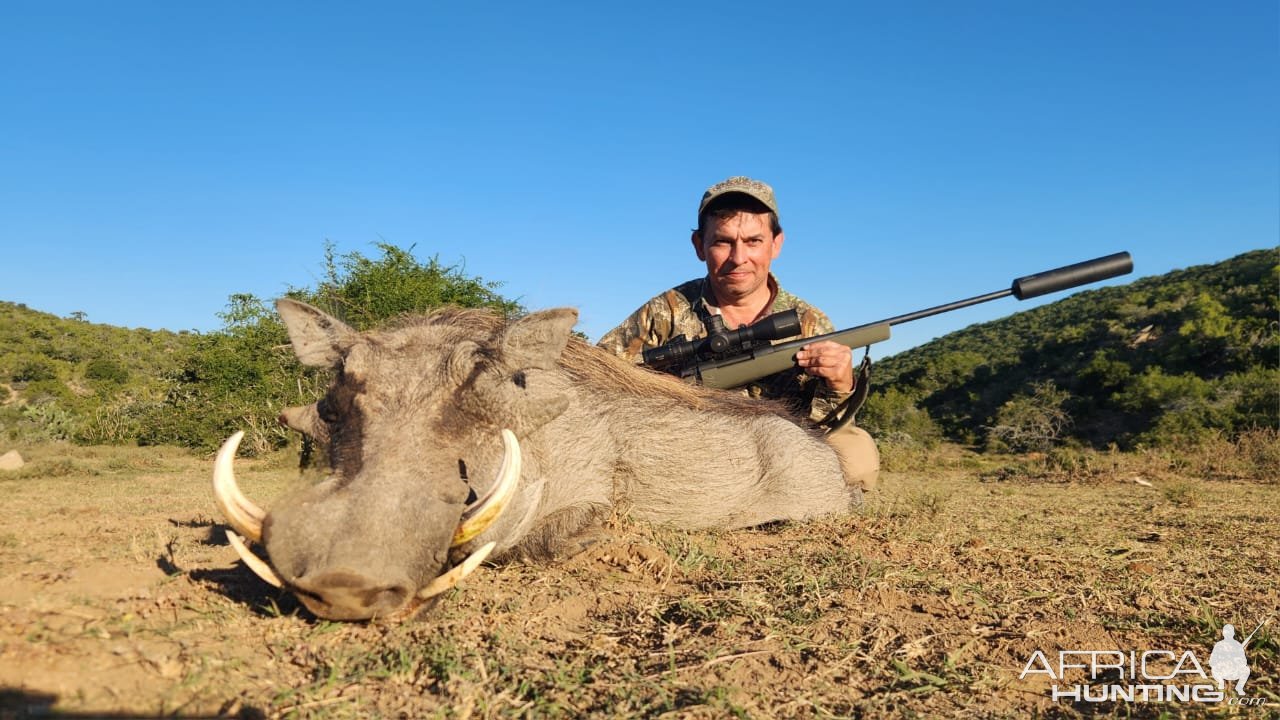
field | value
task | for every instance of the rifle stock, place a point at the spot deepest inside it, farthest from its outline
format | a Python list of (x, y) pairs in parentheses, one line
[(738, 371)]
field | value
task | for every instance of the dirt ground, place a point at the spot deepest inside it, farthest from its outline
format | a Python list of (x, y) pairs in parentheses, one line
[(120, 597)]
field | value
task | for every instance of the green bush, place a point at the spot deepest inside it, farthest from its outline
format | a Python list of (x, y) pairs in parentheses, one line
[(50, 390), (107, 370), (893, 416), (1105, 372), (1030, 421), (34, 368), (10, 423), (1186, 408), (367, 291)]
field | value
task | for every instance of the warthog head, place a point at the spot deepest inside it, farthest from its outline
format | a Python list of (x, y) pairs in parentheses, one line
[(421, 423)]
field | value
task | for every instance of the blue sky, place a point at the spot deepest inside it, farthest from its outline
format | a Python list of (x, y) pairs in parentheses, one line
[(157, 157)]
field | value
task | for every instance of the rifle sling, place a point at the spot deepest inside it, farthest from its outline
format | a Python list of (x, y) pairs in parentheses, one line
[(843, 413)]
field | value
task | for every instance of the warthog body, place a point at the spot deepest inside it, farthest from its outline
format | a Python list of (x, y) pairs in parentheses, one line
[(414, 423)]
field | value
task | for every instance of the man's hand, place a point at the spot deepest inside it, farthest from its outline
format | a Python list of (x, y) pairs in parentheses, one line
[(830, 361)]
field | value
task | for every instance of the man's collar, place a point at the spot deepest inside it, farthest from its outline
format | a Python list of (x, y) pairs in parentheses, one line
[(772, 283)]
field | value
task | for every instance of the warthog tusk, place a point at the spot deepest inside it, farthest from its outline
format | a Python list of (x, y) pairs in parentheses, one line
[(255, 563), (450, 579), (242, 515), (477, 518)]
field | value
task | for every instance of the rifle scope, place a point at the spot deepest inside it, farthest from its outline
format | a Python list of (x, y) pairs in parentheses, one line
[(720, 339)]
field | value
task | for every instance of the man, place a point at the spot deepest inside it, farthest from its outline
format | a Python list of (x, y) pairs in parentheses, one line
[(1228, 661), (738, 237)]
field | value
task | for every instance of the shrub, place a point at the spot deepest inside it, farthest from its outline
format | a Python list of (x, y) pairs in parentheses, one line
[(107, 371), (367, 291), (1259, 450), (49, 390), (1030, 421), (10, 423), (1106, 372), (112, 423), (1253, 455), (892, 416), (1186, 408), (34, 368)]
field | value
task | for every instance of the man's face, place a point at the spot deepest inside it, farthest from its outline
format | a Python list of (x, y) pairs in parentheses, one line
[(738, 251)]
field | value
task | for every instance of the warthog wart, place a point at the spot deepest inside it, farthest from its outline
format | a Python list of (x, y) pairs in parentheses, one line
[(458, 436)]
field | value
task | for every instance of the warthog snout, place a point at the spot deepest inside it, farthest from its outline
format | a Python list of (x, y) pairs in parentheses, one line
[(331, 587), (350, 595)]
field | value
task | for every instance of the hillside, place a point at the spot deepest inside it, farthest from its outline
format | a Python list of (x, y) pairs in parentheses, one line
[(69, 379), (1162, 359)]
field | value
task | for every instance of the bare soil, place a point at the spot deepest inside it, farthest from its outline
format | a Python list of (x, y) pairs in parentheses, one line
[(119, 596)]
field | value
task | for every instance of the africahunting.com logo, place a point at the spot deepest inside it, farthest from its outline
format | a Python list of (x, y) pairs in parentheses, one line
[(1108, 676)]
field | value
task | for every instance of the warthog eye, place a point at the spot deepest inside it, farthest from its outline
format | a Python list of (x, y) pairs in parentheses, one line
[(519, 379), (326, 412)]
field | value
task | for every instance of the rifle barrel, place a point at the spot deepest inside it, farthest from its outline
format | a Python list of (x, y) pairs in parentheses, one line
[(1255, 631), (948, 307), (1042, 283)]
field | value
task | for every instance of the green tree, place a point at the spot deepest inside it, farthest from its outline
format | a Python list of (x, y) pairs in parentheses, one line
[(365, 291)]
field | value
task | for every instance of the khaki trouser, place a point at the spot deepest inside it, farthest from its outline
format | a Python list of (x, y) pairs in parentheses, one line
[(859, 457)]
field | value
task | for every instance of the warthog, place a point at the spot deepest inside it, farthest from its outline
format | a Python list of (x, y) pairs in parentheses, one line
[(458, 436)]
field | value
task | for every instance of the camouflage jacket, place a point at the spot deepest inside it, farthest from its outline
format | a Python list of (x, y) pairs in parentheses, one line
[(683, 310)]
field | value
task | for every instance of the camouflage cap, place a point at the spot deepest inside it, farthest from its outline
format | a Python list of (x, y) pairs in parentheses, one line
[(740, 184)]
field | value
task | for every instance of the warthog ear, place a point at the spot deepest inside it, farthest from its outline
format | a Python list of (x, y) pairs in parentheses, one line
[(528, 389), (319, 340), (305, 419), (538, 339)]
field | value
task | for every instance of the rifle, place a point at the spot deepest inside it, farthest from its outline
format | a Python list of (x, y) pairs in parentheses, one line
[(731, 358), (1255, 631)]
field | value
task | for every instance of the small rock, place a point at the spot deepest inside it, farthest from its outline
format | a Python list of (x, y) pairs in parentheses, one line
[(11, 460)]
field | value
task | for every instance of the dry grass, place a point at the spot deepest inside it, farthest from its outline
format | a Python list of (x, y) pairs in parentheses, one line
[(118, 594)]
